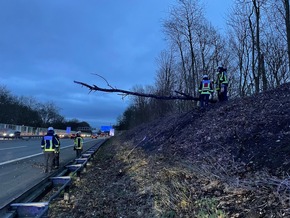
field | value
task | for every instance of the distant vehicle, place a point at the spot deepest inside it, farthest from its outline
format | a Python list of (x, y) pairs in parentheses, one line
[(11, 133), (17, 134), (64, 136), (72, 136), (94, 136)]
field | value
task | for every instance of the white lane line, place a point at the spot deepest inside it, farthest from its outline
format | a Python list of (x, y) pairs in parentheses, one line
[(63, 147), (2, 149), (11, 161)]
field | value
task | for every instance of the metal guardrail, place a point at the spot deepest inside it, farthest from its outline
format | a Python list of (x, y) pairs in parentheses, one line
[(30, 203)]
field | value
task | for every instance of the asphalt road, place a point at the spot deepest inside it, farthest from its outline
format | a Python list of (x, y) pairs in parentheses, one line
[(22, 165)]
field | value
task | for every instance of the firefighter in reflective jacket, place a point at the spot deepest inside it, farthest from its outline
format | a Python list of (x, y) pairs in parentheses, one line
[(205, 90), (56, 153), (78, 144), (222, 84), (48, 144)]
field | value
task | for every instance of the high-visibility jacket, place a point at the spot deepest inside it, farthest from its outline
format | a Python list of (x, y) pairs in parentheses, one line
[(221, 79), (49, 142), (78, 143), (57, 148), (205, 87)]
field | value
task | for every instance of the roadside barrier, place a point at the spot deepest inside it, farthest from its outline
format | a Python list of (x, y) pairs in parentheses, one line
[(58, 184)]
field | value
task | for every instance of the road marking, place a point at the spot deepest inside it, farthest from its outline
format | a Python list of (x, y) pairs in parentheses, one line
[(2, 149), (11, 161)]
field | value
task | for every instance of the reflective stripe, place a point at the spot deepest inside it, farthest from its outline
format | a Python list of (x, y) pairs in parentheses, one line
[(223, 78), (48, 143), (205, 85), (205, 88), (48, 149), (78, 142), (57, 147)]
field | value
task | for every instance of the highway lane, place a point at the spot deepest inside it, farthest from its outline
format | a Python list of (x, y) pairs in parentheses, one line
[(12, 150), (22, 164)]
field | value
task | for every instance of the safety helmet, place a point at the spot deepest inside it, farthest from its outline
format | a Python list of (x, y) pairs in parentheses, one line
[(79, 132), (205, 76), (50, 128)]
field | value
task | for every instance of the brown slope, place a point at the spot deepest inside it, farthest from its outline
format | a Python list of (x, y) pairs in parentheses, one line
[(254, 130)]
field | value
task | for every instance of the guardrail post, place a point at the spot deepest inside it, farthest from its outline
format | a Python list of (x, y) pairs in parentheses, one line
[(91, 153), (78, 175), (30, 209), (66, 196)]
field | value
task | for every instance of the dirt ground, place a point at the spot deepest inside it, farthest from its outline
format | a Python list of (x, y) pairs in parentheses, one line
[(229, 161)]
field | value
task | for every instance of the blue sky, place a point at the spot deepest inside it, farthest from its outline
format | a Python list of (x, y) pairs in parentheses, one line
[(47, 44)]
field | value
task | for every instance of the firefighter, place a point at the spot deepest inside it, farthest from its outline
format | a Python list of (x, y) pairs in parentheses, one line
[(222, 84), (56, 153), (48, 144), (205, 90), (78, 144)]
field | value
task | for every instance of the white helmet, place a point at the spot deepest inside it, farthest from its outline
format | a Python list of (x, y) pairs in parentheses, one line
[(50, 128), (205, 76)]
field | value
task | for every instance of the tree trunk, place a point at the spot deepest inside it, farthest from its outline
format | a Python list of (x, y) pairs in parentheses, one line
[(287, 24)]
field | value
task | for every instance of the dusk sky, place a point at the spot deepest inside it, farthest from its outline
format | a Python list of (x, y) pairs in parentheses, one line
[(47, 44)]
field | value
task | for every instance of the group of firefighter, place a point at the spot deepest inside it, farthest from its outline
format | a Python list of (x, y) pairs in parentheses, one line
[(50, 145), (206, 88)]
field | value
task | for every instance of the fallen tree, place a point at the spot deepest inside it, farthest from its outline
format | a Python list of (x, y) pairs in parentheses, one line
[(179, 95)]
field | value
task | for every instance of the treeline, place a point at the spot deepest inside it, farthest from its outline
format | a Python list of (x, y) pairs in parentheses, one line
[(27, 111), (255, 48)]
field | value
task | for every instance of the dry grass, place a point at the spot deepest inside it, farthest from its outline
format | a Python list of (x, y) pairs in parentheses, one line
[(146, 185)]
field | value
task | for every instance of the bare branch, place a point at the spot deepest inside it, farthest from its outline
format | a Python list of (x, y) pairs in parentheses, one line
[(146, 95), (108, 84)]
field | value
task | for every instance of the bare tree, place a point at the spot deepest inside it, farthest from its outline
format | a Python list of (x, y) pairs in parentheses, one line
[(257, 4), (252, 35), (287, 25), (180, 30), (240, 47), (49, 112), (279, 16), (254, 24), (276, 60), (165, 81)]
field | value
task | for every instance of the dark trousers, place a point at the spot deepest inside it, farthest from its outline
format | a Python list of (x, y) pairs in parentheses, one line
[(48, 160), (56, 160), (78, 153), (204, 98), (223, 93)]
